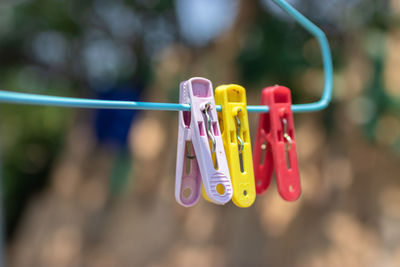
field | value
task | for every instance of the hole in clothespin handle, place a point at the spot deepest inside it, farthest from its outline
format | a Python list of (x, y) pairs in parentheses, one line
[(201, 128), (220, 189)]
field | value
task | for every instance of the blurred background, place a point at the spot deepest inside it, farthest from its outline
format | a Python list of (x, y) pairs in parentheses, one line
[(96, 188)]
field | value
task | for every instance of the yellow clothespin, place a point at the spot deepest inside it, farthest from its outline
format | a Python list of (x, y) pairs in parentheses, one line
[(234, 126)]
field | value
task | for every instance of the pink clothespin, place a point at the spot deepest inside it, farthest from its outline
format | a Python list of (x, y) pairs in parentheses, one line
[(188, 177), (200, 125)]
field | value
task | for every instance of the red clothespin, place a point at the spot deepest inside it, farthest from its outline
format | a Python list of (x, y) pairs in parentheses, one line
[(275, 145)]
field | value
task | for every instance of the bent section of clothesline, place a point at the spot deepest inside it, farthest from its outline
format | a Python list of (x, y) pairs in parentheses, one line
[(34, 99)]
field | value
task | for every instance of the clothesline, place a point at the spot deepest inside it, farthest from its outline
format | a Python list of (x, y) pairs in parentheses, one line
[(35, 99)]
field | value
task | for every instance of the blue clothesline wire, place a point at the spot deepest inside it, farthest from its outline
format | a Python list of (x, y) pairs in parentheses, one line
[(34, 99)]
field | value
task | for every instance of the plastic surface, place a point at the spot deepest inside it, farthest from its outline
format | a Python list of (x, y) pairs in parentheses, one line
[(274, 152), (188, 177), (32, 99), (215, 177), (232, 99)]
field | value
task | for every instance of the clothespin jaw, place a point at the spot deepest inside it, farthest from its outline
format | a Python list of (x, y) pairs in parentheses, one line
[(275, 146), (235, 135), (207, 141), (188, 177)]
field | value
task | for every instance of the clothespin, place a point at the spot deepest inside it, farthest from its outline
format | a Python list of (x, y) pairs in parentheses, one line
[(188, 177), (235, 135), (207, 143), (275, 145)]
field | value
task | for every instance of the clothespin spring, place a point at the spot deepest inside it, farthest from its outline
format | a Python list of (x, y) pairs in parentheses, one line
[(241, 143), (209, 125), (286, 135)]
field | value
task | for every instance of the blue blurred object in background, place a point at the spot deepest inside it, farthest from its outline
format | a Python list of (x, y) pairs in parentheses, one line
[(112, 126)]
